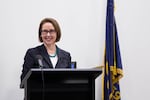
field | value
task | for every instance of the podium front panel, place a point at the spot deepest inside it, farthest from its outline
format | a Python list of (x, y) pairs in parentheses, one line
[(61, 84)]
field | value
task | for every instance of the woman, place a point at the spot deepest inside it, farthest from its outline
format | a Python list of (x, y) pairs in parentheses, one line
[(50, 54)]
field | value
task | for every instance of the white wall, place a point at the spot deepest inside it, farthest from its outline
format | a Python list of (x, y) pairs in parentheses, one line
[(134, 30), (83, 34)]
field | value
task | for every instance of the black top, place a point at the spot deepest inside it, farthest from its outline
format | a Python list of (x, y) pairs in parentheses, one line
[(31, 61)]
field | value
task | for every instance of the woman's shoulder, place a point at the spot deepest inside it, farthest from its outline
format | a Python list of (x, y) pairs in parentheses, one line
[(63, 52), (35, 49)]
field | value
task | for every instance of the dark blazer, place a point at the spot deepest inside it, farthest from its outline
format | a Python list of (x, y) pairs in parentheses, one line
[(31, 61)]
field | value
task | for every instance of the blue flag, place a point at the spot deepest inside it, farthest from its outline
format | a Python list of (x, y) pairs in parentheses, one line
[(113, 65)]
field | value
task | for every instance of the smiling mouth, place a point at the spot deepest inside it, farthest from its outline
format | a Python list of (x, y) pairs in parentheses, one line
[(48, 38)]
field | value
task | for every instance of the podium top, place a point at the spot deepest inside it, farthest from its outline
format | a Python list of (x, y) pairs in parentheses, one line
[(93, 72)]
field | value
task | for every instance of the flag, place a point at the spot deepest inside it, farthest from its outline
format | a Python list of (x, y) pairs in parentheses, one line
[(113, 70)]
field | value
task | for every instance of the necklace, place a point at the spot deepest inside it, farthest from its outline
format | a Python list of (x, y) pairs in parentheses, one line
[(53, 55)]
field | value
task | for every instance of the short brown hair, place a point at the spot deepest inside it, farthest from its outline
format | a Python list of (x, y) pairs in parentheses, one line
[(54, 23)]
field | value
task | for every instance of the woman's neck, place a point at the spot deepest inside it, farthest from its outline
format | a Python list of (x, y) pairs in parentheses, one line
[(51, 49)]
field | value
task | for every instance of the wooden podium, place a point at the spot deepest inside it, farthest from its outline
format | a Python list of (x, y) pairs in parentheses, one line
[(60, 84)]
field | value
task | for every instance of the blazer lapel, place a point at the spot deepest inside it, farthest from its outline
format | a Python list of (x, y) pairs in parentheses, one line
[(60, 58), (45, 56)]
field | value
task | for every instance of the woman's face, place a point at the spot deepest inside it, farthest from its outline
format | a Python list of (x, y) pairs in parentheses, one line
[(48, 33)]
